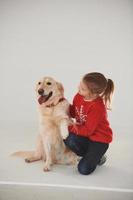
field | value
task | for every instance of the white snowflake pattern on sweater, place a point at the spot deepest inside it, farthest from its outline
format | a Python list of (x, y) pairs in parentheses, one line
[(81, 115)]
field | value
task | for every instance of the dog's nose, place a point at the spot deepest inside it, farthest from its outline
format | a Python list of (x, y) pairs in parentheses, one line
[(41, 91)]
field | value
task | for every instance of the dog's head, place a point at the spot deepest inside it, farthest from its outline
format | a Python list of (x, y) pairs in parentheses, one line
[(49, 91)]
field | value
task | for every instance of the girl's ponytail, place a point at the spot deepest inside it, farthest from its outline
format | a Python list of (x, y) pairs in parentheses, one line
[(107, 94)]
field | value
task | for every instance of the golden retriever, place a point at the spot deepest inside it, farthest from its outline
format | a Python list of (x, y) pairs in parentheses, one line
[(53, 126)]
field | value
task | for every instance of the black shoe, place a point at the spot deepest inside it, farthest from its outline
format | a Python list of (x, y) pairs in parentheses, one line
[(102, 160)]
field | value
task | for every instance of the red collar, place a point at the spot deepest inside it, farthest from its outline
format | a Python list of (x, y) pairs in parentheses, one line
[(60, 100)]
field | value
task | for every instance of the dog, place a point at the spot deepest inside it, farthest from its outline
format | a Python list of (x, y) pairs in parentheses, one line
[(53, 126)]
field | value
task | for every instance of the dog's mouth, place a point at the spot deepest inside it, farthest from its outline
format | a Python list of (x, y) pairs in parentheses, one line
[(43, 98)]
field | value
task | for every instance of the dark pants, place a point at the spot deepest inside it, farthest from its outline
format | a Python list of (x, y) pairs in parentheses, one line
[(90, 151)]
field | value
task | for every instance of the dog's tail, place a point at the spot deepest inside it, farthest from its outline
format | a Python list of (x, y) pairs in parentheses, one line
[(24, 154)]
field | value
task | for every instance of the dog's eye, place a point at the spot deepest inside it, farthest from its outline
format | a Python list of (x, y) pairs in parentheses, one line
[(39, 83), (48, 83)]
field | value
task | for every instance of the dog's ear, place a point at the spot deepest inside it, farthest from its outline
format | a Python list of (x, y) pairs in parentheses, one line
[(60, 87)]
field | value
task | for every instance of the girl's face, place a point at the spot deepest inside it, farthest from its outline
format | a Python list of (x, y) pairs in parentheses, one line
[(83, 90)]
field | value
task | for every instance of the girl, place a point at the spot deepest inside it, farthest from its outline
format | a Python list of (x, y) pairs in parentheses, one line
[(90, 136)]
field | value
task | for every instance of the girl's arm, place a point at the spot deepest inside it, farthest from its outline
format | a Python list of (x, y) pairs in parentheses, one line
[(92, 120), (72, 107), (72, 111)]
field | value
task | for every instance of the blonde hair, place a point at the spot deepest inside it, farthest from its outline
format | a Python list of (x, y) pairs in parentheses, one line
[(98, 84)]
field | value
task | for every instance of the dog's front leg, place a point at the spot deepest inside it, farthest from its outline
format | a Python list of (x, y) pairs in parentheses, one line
[(48, 153), (64, 128)]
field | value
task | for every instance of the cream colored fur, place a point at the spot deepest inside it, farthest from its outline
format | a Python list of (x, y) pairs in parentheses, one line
[(53, 127)]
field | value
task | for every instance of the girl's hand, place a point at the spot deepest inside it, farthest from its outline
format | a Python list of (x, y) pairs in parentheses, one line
[(73, 122), (78, 123), (75, 127)]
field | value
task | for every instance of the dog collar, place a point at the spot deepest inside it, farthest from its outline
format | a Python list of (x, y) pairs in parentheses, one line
[(60, 100)]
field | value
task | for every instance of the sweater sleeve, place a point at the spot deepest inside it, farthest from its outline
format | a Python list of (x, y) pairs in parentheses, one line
[(72, 111), (72, 108), (93, 118)]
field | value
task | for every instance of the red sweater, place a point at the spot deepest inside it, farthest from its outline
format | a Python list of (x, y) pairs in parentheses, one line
[(91, 117)]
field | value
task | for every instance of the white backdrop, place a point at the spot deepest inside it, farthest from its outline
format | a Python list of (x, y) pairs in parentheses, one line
[(64, 39)]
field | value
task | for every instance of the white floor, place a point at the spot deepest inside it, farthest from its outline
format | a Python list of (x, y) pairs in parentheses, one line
[(19, 180)]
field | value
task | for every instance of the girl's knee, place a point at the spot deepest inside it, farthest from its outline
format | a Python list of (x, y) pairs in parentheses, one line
[(71, 143), (85, 168)]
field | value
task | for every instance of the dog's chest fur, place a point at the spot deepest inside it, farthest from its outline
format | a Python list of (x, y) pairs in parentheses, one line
[(50, 119), (54, 112)]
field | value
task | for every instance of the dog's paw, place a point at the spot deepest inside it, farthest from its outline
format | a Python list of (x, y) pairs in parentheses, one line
[(27, 160), (64, 133), (64, 130), (46, 168)]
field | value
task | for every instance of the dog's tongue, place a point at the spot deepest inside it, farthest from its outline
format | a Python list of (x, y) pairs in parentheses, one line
[(41, 99)]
